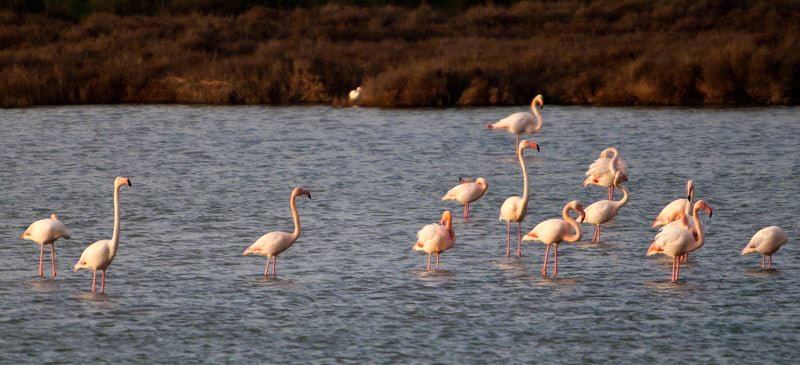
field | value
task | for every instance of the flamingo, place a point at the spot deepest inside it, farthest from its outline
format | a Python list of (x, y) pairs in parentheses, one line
[(676, 240), (355, 95), (98, 255), (275, 242), (515, 208), (556, 230), (603, 170), (46, 231), (467, 192), (522, 122), (602, 211), (672, 211), (436, 238), (766, 242)]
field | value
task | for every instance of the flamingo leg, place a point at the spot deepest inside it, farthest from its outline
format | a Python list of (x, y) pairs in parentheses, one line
[(53, 259), (103, 282), (466, 210), (555, 267), (763, 259), (673, 269), (546, 255), (517, 135), (508, 239), (275, 267), (41, 258), (610, 193), (429, 262), (94, 280), (266, 268), (770, 262), (437, 261), (678, 271), (519, 239)]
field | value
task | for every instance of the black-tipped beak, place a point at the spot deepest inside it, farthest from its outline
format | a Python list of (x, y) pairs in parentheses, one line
[(689, 197), (129, 183), (537, 148), (309, 196), (710, 213)]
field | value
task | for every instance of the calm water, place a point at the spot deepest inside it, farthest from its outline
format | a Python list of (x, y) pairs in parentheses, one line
[(208, 181)]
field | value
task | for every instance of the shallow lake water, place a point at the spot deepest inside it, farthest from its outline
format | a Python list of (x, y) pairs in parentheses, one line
[(208, 181)]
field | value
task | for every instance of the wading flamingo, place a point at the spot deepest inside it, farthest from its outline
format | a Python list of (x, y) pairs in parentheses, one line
[(275, 242), (522, 122), (355, 95), (98, 255), (766, 242), (603, 170), (436, 238), (676, 240), (674, 209), (467, 192), (46, 232), (602, 211), (515, 208), (556, 230)]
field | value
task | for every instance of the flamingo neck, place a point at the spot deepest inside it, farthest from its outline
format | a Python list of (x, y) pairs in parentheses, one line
[(525, 190), (614, 160), (295, 216), (448, 224), (625, 195), (696, 220), (115, 235), (536, 115), (571, 237)]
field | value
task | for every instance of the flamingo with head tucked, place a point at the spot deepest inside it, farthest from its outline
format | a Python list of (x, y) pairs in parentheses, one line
[(673, 210), (603, 211), (522, 122), (46, 232), (467, 192), (556, 230), (767, 241), (515, 208), (603, 170), (273, 243), (436, 238), (355, 95), (99, 255), (676, 240)]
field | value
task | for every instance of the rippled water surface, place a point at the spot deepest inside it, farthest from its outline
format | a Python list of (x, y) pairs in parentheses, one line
[(208, 181)]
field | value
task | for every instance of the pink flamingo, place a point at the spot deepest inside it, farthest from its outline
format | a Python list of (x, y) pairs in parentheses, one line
[(672, 211), (676, 240), (522, 122), (436, 238), (467, 192), (556, 230), (515, 208), (766, 242), (603, 211), (46, 232), (603, 170), (275, 242), (99, 255)]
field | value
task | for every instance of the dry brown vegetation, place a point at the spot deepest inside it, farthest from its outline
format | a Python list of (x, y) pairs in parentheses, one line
[(685, 52)]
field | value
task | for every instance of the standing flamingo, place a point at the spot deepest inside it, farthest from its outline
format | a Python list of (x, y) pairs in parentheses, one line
[(355, 95), (98, 255), (766, 242), (46, 231), (515, 208), (556, 230), (676, 240), (467, 192), (603, 170), (673, 210), (522, 122), (275, 242), (436, 238), (602, 211)]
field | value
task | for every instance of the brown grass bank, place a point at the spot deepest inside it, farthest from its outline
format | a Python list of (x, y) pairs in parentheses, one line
[(683, 52)]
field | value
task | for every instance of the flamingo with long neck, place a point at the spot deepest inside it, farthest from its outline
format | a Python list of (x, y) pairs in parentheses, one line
[(603, 211), (515, 208), (46, 232), (676, 240), (99, 255), (273, 243), (556, 230), (603, 170), (522, 122), (672, 211), (434, 239)]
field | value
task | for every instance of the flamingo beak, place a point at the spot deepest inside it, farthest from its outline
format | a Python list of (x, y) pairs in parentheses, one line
[(535, 145), (583, 216), (709, 211), (128, 181), (309, 196)]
